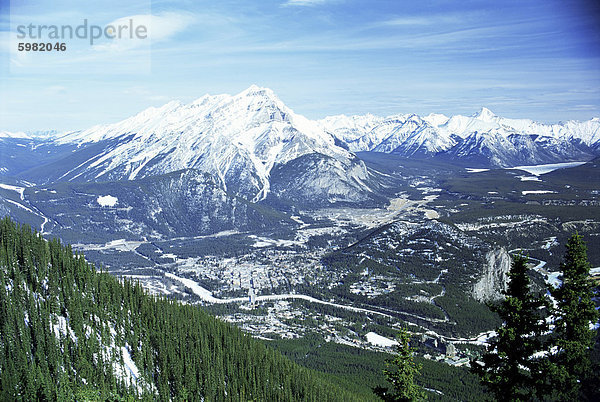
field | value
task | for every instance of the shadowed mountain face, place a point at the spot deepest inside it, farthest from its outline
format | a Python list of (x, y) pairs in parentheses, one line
[(184, 203)]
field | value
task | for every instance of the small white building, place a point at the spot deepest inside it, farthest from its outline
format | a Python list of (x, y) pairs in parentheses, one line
[(251, 297)]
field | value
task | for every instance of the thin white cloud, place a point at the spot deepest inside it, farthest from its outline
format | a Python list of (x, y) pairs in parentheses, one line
[(163, 26), (407, 21), (304, 3), (431, 19), (153, 28)]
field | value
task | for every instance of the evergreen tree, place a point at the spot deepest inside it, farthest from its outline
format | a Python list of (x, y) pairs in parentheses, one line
[(572, 338), (401, 373), (509, 362)]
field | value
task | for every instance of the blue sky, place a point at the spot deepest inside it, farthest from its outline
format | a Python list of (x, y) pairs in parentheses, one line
[(536, 59)]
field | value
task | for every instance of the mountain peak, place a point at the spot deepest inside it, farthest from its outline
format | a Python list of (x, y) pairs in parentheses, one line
[(254, 90), (485, 114), (436, 119)]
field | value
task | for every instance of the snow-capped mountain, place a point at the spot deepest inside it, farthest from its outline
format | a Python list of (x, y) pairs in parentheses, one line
[(201, 167), (256, 147), (350, 128), (483, 137), (237, 139), (8, 134), (30, 135), (414, 136), (44, 134), (406, 134)]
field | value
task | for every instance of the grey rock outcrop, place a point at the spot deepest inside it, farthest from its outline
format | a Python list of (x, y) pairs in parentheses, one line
[(494, 278)]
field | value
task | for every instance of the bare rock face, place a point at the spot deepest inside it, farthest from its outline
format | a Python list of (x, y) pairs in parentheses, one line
[(494, 278)]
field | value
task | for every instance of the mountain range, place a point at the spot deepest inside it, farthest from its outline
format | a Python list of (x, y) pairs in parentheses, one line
[(483, 139), (226, 153), (243, 141), (240, 139)]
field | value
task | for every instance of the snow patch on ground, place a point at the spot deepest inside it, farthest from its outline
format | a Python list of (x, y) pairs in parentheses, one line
[(550, 242), (378, 340), (529, 178), (18, 189), (198, 290), (304, 235), (20, 206), (128, 371), (537, 170), (553, 279), (267, 242), (297, 219), (525, 192), (107, 200), (431, 214), (130, 364), (62, 328), (475, 170)]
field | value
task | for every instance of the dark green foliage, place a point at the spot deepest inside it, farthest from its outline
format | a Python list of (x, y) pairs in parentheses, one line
[(471, 316), (567, 369), (401, 372), (361, 370), (571, 365), (182, 203), (509, 361), (64, 327)]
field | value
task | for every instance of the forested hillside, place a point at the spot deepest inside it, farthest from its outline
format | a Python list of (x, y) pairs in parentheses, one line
[(69, 332)]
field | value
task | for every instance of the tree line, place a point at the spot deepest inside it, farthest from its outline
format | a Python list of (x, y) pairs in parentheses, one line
[(68, 332)]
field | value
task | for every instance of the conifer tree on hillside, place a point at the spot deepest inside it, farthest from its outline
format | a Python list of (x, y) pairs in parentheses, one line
[(401, 373), (509, 361), (66, 330), (573, 339)]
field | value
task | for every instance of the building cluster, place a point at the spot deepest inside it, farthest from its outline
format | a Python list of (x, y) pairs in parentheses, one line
[(441, 350)]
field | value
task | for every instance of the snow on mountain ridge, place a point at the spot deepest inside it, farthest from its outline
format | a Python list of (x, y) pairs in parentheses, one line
[(436, 119), (238, 139), (9, 134), (415, 135), (484, 120), (460, 136), (349, 128)]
